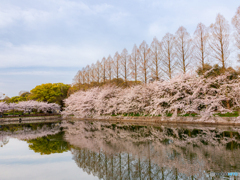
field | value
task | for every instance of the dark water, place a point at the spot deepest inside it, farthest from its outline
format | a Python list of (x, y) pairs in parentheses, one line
[(101, 150)]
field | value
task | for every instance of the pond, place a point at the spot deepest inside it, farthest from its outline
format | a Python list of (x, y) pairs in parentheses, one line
[(103, 150)]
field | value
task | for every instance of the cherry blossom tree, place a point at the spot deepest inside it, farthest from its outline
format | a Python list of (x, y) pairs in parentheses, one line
[(29, 106), (182, 94), (3, 107)]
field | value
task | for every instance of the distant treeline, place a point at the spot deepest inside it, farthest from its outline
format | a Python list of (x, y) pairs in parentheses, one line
[(174, 54)]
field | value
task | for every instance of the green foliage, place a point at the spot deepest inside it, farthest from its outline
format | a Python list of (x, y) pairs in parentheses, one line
[(234, 114), (49, 144), (25, 94), (189, 114), (216, 70), (52, 93), (169, 114), (16, 99), (17, 127)]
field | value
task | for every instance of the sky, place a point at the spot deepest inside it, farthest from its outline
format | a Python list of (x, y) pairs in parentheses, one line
[(48, 41)]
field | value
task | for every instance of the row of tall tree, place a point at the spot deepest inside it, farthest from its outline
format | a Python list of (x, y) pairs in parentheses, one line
[(175, 53)]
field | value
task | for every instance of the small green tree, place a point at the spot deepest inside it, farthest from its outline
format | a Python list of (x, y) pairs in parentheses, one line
[(52, 93)]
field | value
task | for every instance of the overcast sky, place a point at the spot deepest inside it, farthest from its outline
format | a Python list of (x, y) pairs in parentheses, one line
[(45, 41)]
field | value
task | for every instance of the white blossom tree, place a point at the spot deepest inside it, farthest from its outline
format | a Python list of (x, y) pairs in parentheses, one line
[(29, 106), (181, 94)]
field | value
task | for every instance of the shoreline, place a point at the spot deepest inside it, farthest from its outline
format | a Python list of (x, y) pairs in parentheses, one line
[(30, 119), (158, 120), (235, 121)]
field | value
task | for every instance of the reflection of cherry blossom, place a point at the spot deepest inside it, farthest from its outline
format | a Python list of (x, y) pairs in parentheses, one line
[(28, 106), (192, 152), (27, 133), (185, 94)]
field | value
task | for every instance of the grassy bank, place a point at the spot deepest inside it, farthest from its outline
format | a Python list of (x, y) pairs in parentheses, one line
[(233, 114)]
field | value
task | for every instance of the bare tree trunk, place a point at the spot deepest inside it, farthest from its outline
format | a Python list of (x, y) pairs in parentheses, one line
[(144, 56), (183, 49), (220, 40), (134, 63), (156, 57), (168, 55), (236, 24)]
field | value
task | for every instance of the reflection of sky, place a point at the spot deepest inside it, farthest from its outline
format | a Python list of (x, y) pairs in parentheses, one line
[(17, 161)]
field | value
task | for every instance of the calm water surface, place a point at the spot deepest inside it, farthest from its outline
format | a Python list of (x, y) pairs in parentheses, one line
[(102, 150)]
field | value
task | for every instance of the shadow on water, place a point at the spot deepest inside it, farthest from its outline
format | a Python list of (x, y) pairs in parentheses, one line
[(133, 151)]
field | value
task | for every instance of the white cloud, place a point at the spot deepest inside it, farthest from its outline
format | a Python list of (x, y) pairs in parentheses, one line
[(36, 72), (11, 15), (52, 11), (49, 55), (99, 8)]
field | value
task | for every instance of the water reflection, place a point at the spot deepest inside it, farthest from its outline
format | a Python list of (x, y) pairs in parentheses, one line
[(128, 151), (122, 151), (43, 138)]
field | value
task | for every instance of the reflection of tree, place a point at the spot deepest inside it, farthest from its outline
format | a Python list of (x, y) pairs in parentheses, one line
[(3, 140), (122, 166), (29, 131), (49, 144), (45, 138), (114, 151)]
